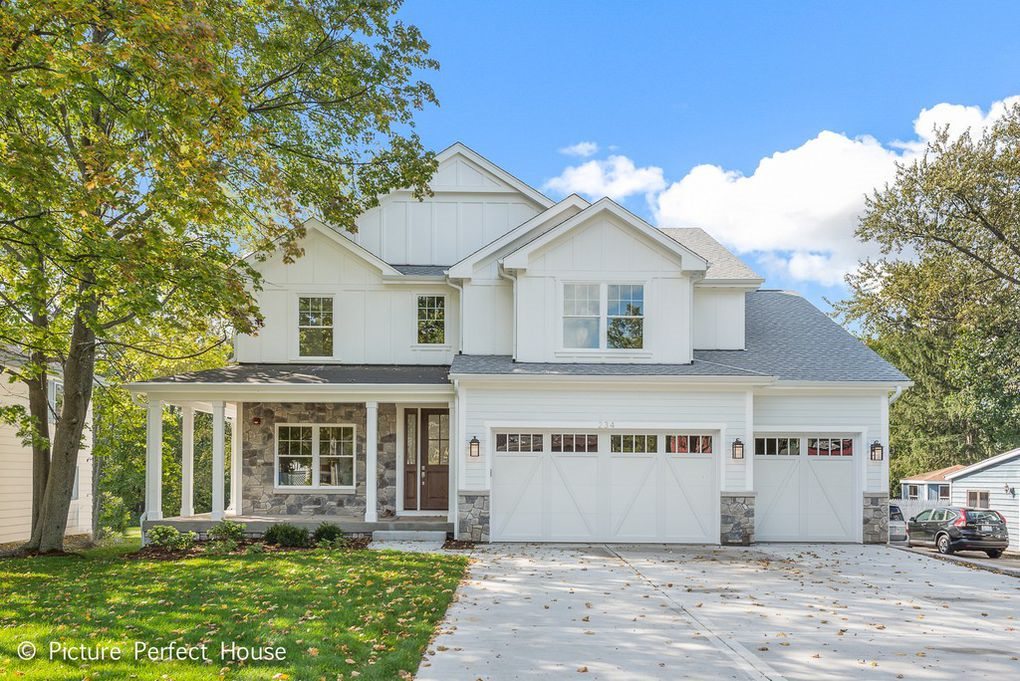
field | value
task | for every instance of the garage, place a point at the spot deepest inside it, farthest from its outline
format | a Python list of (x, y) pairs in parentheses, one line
[(621, 486), (807, 488)]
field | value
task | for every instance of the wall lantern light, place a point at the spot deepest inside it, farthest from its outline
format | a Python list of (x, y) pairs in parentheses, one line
[(1010, 490), (256, 420), (876, 451), (474, 447), (738, 449)]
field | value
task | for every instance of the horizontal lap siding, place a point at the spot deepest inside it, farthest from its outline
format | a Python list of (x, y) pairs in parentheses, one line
[(587, 406), (994, 480)]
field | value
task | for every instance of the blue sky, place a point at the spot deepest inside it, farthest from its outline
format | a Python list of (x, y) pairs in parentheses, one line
[(664, 89)]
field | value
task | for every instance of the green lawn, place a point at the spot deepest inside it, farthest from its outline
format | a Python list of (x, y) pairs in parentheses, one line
[(337, 614)]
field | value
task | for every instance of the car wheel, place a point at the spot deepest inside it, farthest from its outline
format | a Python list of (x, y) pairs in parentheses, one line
[(943, 545), (994, 554)]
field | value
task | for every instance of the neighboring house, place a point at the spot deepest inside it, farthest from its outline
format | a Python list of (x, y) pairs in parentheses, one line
[(16, 471), (992, 484), (930, 487), (506, 367)]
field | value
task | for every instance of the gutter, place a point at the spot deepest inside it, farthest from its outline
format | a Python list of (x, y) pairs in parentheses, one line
[(896, 395), (513, 279)]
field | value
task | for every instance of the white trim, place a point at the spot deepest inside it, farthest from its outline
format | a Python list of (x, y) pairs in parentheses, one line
[(315, 486), (461, 149), (445, 346), (981, 465), (645, 380), (292, 392), (154, 460), (371, 462), (296, 355), (187, 461)]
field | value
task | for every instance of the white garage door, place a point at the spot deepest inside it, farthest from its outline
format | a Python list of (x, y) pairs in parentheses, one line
[(586, 486), (806, 488)]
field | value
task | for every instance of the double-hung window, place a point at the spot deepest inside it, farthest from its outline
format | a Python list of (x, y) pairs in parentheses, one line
[(977, 499), (431, 320), (315, 456), (606, 317), (315, 327)]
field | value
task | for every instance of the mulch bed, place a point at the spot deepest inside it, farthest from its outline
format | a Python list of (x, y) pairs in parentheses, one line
[(459, 544), (200, 549)]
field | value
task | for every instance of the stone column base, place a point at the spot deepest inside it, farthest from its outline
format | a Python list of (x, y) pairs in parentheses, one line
[(876, 518), (736, 518), (473, 515)]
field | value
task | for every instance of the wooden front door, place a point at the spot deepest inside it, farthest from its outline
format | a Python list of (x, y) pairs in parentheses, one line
[(426, 459)]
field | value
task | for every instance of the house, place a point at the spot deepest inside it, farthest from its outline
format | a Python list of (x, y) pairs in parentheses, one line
[(16, 467), (992, 484), (931, 486), (499, 365)]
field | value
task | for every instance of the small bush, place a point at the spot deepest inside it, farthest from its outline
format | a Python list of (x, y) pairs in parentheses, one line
[(327, 532), (226, 530), (255, 549), (335, 544), (286, 535), (114, 516), (170, 538), (221, 546)]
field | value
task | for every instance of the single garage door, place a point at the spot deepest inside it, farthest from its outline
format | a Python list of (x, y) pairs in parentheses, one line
[(605, 486), (806, 488)]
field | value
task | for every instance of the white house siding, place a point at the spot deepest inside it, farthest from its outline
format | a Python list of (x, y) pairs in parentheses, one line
[(603, 251), (16, 478), (585, 406), (994, 480), (489, 304), (718, 318), (374, 322)]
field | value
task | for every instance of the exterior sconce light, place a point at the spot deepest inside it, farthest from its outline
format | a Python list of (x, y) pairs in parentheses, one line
[(256, 420), (474, 447), (738, 449), (1010, 490), (876, 451)]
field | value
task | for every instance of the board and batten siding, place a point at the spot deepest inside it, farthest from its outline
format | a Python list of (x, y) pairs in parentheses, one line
[(994, 480), (583, 407), (826, 412), (373, 322), (16, 477), (718, 318)]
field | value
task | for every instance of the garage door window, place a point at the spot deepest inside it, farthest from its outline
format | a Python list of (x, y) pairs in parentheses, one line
[(518, 442), (575, 442), (634, 444), (689, 444), (830, 446), (777, 446)]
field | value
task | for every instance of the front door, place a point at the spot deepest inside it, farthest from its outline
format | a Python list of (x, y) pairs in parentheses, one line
[(426, 459)]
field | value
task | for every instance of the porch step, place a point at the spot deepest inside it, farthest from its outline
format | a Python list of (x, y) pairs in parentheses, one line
[(409, 535)]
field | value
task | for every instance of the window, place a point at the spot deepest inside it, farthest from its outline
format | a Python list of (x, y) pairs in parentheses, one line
[(943, 492), (776, 446), (938, 516), (431, 320), (315, 455), (830, 446), (689, 444), (912, 492), (518, 442), (581, 315), (626, 316), (923, 516), (575, 442), (315, 327), (54, 399), (977, 499), (74, 490), (634, 444)]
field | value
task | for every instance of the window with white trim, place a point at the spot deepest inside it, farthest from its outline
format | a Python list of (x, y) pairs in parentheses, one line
[(633, 444), (582, 316), (977, 499), (777, 446), (587, 443), (689, 444), (913, 492), (943, 492), (54, 399), (625, 317), (431, 320), (603, 316), (830, 446), (518, 442), (315, 455), (315, 327)]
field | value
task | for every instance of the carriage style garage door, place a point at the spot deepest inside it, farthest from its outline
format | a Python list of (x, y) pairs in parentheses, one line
[(608, 486), (806, 488)]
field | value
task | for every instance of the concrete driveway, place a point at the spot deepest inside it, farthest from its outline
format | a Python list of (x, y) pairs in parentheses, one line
[(768, 612)]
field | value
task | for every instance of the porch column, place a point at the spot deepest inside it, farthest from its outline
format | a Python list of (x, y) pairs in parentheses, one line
[(371, 456), (217, 460), (187, 461), (235, 461), (154, 461)]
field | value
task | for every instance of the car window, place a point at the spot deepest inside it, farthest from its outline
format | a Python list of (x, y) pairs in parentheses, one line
[(939, 515), (986, 517), (895, 513), (923, 516)]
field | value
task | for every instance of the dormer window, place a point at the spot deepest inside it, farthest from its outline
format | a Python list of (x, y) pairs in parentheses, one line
[(603, 316), (315, 327)]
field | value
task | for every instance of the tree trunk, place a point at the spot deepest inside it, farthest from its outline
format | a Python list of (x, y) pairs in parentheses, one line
[(38, 410)]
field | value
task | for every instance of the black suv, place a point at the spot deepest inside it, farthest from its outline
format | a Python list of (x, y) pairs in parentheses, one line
[(959, 529)]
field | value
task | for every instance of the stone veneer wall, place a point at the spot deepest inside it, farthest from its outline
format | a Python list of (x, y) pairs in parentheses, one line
[(473, 516), (736, 522), (258, 449), (876, 518)]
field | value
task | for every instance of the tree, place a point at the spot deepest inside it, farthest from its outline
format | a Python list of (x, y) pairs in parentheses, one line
[(943, 303), (143, 145)]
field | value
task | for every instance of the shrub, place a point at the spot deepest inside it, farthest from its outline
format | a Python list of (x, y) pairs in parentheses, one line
[(255, 549), (113, 514), (221, 546), (170, 538), (287, 535), (327, 532), (226, 530)]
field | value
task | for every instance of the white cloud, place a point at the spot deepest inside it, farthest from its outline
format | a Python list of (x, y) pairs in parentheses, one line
[(582, 149), (616, 177)]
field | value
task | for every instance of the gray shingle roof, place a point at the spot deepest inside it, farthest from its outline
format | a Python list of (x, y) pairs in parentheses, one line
[(504, 365), (721, 263), (422, 270), (314, 374)]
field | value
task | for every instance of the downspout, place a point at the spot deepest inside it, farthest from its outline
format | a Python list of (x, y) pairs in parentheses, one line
[(513, 280), (460, 322), (896, 395)]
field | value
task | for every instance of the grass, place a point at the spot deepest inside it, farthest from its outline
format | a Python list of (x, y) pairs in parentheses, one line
[(337, 614)]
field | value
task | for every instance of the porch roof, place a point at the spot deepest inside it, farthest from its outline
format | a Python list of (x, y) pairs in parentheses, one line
[(312, 374)]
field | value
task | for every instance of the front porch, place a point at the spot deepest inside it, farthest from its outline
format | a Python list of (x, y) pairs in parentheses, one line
[(256, 525)]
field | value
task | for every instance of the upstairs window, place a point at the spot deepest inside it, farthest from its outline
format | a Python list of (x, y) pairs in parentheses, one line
[(431, 320), (315, 327), (626, 315), (606, 317), (581, 316)]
